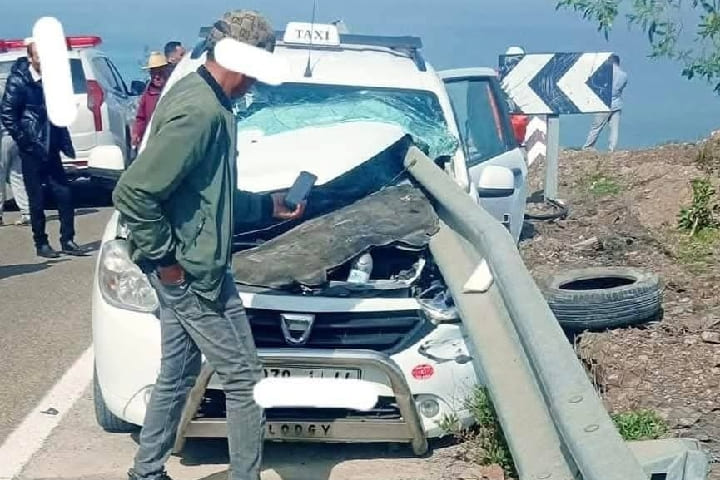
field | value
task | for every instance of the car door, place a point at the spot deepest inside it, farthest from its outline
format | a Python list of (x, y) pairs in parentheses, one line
[(487, 138), (116, 98), (130, 100)]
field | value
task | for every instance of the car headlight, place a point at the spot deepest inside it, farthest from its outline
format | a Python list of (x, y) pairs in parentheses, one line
[(122, 283), (438, 305)]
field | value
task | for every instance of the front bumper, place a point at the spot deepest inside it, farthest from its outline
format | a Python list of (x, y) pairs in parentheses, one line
[(407, 429)]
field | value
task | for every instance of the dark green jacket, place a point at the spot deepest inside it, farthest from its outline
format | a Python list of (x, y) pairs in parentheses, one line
[(179, 197)]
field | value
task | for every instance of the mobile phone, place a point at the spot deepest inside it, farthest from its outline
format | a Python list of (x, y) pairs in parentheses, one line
[(300, 190)]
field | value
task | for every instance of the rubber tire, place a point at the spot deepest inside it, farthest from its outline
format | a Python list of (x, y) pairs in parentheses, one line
[(604, 308), (105, 418)]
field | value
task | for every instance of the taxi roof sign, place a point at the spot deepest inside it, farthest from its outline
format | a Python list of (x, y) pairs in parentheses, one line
[(311, 34)]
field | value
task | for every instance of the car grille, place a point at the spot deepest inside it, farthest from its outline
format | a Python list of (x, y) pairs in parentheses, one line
[(386, 332), (213, 406)]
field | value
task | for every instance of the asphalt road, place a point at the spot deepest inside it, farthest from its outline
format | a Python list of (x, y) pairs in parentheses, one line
[(44, 312), (47, 424)]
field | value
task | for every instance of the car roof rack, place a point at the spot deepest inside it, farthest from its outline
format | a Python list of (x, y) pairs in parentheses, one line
[(411, 45)]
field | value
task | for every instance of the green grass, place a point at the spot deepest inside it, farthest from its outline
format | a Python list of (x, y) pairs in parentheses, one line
[(640, 425), (485, 444), (602, 185), (698, 251)]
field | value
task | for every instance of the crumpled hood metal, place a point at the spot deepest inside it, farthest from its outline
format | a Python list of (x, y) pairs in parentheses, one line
[(305, 255)]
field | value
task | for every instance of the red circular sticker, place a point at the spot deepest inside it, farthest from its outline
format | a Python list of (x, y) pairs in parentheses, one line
[(423, 372)]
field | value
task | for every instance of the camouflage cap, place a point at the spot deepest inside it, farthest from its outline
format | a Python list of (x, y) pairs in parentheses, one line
[(245, 26)]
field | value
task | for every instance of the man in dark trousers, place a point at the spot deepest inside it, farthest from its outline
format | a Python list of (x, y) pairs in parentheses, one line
[(24, 115), (179, 200)]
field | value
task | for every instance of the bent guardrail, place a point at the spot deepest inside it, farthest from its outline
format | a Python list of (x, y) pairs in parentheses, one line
[(527, 424), (585, 427)]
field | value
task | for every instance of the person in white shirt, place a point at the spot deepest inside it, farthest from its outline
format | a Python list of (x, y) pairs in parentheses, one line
[(611, 118), (11, 172)]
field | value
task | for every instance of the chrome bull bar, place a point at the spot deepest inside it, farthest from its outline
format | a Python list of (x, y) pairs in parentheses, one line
[(408, 429)]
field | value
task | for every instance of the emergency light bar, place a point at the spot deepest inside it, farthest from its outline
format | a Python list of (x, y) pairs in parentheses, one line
[(84, 41), (78, 41)]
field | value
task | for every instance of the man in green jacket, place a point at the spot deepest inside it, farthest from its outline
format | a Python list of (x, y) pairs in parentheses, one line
[(179, 201)]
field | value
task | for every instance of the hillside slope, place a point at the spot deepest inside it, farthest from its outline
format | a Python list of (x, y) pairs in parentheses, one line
[(624, 211)]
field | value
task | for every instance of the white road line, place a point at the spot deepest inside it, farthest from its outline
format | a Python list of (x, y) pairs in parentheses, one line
[(19, 448)]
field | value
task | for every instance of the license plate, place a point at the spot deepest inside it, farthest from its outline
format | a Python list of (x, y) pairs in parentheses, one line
[(302, 372), (298, 430)]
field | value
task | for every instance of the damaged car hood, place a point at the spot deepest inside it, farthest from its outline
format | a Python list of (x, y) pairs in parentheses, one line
[(273, 162), (304, 255)]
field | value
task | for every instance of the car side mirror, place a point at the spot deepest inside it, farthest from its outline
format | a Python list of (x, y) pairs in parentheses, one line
[(137, 88), (496, 181)]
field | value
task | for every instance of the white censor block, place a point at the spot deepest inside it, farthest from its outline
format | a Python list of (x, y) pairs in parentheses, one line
[(252, 61), (316, 393), (52, 49)]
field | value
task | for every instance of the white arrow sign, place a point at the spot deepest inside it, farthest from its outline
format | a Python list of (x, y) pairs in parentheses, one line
[(573, 83), (517, 83), (558, 83), (537, 124)]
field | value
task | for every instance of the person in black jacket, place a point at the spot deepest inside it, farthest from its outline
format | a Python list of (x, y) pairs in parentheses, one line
[(23, 113)]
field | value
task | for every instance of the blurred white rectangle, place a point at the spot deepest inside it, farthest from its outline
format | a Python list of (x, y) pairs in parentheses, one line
[(52, 48), (316, 393)]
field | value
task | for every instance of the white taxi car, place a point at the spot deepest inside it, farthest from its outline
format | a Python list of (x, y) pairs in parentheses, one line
[(355, 98)]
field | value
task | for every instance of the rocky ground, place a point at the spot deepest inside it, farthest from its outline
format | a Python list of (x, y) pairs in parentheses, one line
[(624, 210)]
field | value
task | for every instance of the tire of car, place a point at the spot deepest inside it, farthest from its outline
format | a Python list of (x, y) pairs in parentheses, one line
[(105, 418), (596, 299)]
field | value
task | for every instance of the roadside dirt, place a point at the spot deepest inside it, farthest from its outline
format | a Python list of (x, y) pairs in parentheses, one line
[(624, 212)]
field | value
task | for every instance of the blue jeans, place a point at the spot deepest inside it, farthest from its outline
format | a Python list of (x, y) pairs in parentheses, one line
[(191, 326)]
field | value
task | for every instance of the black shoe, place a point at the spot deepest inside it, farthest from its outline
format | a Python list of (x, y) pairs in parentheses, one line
[(134, 476), (47, 252), (72, 248)]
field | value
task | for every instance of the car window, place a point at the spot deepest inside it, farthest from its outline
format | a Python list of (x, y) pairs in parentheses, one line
[(78, 76), (481, 117), (76, 69), (105, 75), (118, 78), (293, 106), (4, 73)]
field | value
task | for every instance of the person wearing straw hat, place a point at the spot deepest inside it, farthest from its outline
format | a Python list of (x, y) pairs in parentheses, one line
[(179, 200), (157, 65)]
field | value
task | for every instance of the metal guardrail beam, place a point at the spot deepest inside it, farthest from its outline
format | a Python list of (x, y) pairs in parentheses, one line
[(529, 429), (584, 425)]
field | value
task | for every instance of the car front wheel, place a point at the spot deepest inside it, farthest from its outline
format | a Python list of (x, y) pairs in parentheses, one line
[(105, 418)]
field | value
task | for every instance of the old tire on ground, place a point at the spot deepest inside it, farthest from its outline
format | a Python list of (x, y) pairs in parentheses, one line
[(107, 420), (602, 298)]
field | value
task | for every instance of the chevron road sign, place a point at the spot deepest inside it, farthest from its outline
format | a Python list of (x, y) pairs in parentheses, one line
[(558, 83), (536, 140)]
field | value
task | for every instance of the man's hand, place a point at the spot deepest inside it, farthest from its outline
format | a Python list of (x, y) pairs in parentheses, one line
[(172, 275), (135, 140), (282, 212)]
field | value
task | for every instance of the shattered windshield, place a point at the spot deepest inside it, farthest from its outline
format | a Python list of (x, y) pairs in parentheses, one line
[(275, 110)]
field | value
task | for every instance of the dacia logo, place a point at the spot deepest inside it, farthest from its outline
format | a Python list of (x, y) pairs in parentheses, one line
[(296, 327)]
